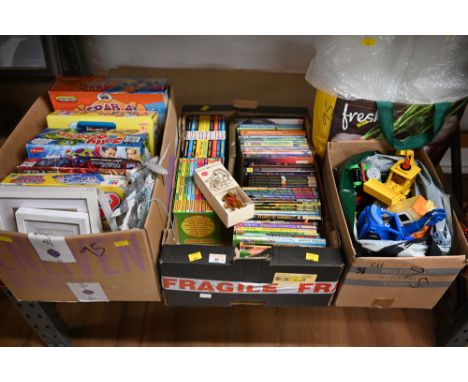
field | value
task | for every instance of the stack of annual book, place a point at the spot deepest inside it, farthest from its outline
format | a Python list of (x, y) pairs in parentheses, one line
[(278, 174)]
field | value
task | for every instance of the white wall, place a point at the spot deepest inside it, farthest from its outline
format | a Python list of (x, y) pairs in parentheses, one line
[(290, 54), (269, 53)]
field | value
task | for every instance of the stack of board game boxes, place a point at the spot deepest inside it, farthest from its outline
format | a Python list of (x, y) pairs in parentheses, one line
[(91, 142)]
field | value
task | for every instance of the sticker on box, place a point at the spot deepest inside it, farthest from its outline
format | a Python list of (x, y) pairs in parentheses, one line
[(88, 292), (217, 258), (52, 249)]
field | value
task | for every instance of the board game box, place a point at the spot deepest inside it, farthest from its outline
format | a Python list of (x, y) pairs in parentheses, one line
[(100, 93), (112, 185), (107, 120), (69, 143), (79, 165)]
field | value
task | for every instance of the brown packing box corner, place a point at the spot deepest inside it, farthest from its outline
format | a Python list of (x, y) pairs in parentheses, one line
[(388, 282), (126, 271), (331, 261)]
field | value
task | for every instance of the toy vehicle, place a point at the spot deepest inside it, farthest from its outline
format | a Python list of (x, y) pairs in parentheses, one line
[(377, 223)]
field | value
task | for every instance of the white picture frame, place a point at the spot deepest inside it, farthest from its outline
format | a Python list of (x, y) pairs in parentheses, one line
[(52, 222), (75, 199)]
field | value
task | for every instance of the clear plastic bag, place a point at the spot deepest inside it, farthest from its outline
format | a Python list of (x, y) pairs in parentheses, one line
[(402, 69)]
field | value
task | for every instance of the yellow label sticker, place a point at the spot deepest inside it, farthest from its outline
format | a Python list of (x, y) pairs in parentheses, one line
[(121, 243), (363, 123), (249, 169), (204, 108), (312, 257), (6, 239), (281, 277), (195, 256), (368, 41)]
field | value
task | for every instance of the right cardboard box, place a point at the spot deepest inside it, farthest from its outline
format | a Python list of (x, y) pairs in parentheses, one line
[(384, 282)]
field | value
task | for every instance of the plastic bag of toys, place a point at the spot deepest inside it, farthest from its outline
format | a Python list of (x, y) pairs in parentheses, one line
[(393, 207)]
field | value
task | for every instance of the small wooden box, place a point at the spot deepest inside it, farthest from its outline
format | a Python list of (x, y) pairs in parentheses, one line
[(215, 181)]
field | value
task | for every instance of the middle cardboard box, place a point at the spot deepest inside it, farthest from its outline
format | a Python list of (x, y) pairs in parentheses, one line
[(249, 221)]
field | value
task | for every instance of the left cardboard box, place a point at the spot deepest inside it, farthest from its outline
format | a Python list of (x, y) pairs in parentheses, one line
[(110, 266)]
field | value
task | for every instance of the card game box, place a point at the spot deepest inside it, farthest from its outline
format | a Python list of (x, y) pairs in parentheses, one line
[(223, 193), (69, 143)]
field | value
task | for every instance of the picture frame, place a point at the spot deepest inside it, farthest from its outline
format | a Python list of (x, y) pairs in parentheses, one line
[(74, 199), (28, 58), (52, 222)]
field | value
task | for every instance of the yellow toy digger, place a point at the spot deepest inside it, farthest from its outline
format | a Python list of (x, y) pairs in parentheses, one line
[(399, 181)]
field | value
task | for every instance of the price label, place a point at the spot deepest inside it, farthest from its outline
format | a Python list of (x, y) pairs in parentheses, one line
[(121, 243), (312, 257), (195, 256), (368, 41)]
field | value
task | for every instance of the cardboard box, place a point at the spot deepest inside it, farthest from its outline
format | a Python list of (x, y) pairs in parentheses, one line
[(388, 282), (114, 266), (205, 275)]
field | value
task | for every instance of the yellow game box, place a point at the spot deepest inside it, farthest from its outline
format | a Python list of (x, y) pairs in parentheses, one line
[(120, 120), (112, 185)]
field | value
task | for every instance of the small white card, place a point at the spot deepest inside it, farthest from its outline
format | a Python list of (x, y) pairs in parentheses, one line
[(86, 292), (205, 295), (217, 258), (51, 248)]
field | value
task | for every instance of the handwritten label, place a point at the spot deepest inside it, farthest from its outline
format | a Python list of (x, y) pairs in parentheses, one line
[(50, 248), (88, 292), (205, 295), (312, 257), (6, 239), (122, 243), (249, 170), (204, 108), (217, 258), (195, 256), (93, 249)]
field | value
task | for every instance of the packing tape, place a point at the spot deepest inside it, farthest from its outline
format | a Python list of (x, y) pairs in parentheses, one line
[(383, 302), (422, 282), (411, 271)]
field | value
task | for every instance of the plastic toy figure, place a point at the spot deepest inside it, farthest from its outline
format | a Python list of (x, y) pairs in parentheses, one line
[(232, 201)]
